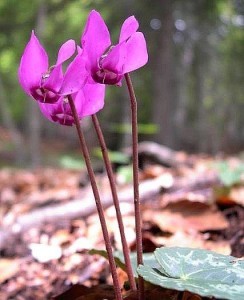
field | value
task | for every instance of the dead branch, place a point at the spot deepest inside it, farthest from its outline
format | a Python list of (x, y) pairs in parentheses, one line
[(79, 208), (159, 154), (82, 208)]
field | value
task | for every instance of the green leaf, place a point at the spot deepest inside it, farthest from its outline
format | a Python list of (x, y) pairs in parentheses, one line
[(70, 162), (104, 254), (125, 173), (149, 128), (148, 258), (114, 156), (229, 175), (199, 271)]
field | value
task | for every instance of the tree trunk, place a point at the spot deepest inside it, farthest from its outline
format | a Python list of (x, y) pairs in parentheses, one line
[(9, 123), (34, 112), (163, 79)]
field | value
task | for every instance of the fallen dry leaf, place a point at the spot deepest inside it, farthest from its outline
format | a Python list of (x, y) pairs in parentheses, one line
[(188, 216), (8, 268), (45, 253), (60, 237), (237, 195), (196, 240), (189, 224), (80, 292)]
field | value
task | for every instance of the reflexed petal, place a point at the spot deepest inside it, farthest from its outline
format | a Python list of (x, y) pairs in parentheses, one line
[(96, 38), (66, 51), (90, 99), (34, 63), (115, 59), (59, 112), (79, 50), (79, 101), (47, 110), (137, 55), (75, 76), (54, 81), (128, 28)]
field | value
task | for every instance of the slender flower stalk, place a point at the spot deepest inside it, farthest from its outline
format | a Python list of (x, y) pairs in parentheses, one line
[(138, 221), (110, 174), (118, 295)]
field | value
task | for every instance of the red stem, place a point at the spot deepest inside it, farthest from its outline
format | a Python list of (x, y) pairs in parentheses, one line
[(110, 174), (138, 221), (100, 211)]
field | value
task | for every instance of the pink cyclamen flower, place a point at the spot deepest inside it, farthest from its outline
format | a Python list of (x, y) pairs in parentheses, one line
[(46, 84), (108, 63), (88, 101)]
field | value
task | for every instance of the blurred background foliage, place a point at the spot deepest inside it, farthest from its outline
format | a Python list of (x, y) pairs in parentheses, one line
[(190, 94)]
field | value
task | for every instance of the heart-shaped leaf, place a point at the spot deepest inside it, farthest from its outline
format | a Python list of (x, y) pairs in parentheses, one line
[(148, 258), (199, 271)]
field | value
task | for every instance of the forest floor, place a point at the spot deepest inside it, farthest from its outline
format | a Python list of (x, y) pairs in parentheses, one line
[(48, 222)]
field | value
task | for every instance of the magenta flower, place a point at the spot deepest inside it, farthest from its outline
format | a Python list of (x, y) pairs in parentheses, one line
[(108, 63), (88, 101), (47, 84)]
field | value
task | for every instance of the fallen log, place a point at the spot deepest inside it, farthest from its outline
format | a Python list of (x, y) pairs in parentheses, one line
[(159, 154), (78, 208), (82, 208)]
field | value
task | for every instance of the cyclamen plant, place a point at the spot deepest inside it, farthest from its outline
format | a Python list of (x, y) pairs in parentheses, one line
[(108, 64), (66, 98)]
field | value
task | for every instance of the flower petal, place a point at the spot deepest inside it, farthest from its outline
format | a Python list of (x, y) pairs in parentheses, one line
[(96, 38), (90, 99), (66, 51), (75, 76), (79, 49), (115, 59), (128, 28), (47, 110), (137, 55), (33, 64), (59, 112), (54, 81)]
